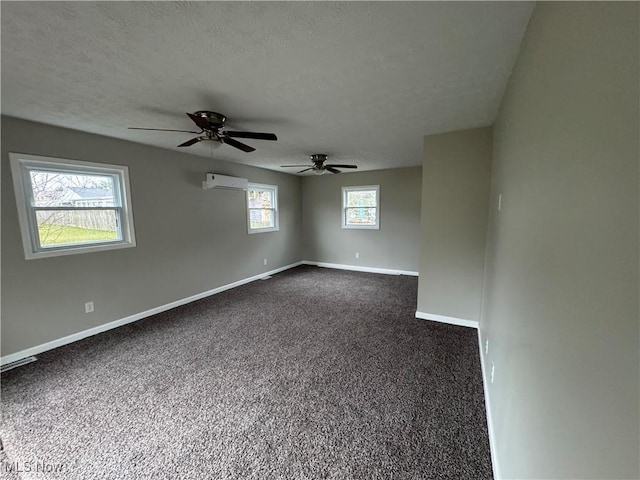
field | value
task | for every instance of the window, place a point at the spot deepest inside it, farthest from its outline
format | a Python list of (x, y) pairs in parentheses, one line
[(68, 206), (262, 208), (361, 207)]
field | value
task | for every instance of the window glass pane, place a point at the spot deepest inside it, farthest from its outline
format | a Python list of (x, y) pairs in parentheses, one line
[(69, 206), (262, 203), (260, 199), (361, 198), (261, 218), (361, 216), (65, 189), (71, 227)]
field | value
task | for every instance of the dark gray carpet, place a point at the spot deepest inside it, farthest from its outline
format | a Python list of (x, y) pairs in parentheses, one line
[(313, 374)]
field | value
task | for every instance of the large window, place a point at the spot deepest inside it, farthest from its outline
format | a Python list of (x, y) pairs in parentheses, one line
[(361, 207), (262, 208), (68, 206)]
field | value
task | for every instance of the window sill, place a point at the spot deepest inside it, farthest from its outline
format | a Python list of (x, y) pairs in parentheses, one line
[(263, 230), (361, 227), (59, 252)]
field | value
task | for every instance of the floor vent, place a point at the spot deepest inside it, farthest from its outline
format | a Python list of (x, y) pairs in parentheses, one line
[(17, 363)]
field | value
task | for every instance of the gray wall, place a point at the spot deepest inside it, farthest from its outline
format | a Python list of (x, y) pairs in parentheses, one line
[(190, 240), (455, 198), (395, 246), (561, 302)]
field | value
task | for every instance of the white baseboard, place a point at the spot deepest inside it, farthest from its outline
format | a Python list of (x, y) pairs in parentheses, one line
[(138, 316), (132, 318), (358, 268), (497, 475), (450, 320)]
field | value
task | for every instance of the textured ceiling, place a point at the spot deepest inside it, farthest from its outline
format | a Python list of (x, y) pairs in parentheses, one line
[(360, 81)]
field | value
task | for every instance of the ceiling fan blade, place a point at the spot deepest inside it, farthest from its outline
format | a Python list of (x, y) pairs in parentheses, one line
[(201, 122), (162, 130), (331, 169), (237, 144), (296, 166), (341, 166), (188, 143), (256, 135), (301, 171)]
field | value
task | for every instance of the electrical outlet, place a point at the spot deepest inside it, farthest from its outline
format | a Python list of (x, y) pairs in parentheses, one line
[(493, 371), (88, 307), (265, 261), (486, 346), (357, 254)]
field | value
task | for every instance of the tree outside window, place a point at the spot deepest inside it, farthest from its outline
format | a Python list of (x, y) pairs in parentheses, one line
[(361, 207), (262, 208)]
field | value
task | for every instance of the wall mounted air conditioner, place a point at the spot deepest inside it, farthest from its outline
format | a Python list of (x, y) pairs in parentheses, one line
[(215, 180)]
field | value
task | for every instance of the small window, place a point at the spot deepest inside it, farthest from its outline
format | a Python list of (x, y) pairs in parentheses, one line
[(67, 206), (262, 208), (361, 207)]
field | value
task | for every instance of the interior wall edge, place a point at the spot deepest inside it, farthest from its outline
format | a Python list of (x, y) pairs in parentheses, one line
[(497, 475)]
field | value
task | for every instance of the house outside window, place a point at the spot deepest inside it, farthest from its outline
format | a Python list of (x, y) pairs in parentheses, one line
[(262, 208), (361, 207), (68, 206)]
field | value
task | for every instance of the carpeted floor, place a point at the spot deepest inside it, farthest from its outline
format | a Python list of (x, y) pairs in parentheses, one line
[(312, 374)]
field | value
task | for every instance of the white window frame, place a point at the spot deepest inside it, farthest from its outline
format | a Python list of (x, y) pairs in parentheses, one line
[(345, 190), (275, 209), (22, 164)]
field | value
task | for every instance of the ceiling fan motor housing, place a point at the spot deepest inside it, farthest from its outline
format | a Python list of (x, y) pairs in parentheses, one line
[(215, 119)]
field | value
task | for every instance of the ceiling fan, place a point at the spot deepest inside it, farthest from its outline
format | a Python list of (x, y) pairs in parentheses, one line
[(211, 125), (320, 165)]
